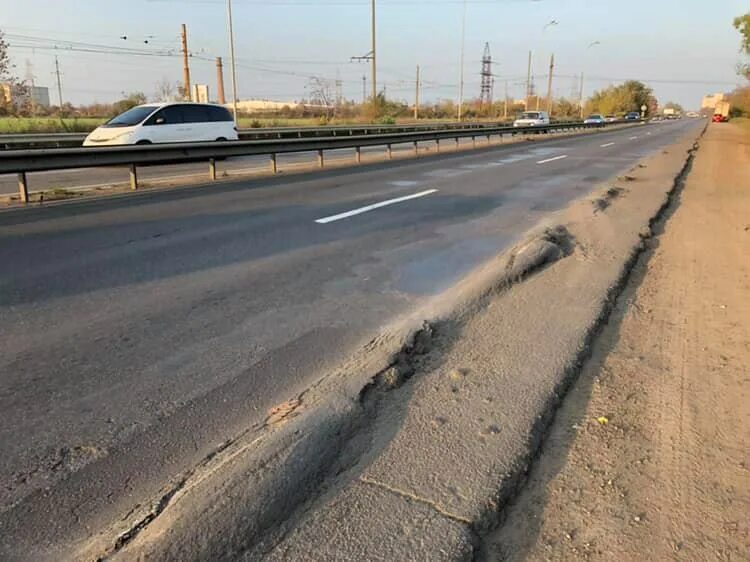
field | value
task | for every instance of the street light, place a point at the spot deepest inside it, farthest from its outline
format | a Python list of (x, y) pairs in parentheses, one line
[(461, 67), (234, 64), (592, 44)]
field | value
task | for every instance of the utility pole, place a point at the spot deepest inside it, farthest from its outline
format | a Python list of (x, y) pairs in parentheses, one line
[(364, 89), (59, 84), (528, 84), (234, 64), (374, 59), (416, 98), (581, 95), (505, 105), (220, 80), (461, 68), (185, 64), (549, 83)]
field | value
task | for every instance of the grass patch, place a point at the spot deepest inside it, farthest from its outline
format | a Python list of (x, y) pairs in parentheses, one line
[(23, 125)]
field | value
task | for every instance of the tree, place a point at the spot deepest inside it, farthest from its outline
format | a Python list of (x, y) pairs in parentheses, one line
[(14, 94), (739, 101), (165, 90), (672, 105), (322, 94), (626, 97), (742, 24), (128, 102)]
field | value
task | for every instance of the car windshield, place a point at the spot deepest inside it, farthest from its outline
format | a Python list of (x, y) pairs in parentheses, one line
[(130, 117), (530, 115), (595, 116)]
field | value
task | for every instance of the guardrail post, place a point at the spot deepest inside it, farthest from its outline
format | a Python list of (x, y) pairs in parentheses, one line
[(212, 169), (321, 161), (390, 152), (489, 139), (274, 168), (23, 187), (474, 141), (437, 145), (133, 177), (358, 154), (457, 143), (416, 148)]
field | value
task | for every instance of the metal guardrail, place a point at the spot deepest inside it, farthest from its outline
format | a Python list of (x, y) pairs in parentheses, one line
[(17, 141), (23, 162)]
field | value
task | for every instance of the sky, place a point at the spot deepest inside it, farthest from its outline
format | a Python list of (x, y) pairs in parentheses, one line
[(683, 49)]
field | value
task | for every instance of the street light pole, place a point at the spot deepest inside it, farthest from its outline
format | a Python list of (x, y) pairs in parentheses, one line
[(374, 58), (461, 67), (592, 44), (234, 63)]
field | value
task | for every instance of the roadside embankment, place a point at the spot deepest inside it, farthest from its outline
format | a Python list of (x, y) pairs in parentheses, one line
[(415, 452), (648, 455)]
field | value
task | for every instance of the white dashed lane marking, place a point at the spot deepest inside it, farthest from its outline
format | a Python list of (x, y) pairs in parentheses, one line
[(374, 206), (552, 159), (607, 144)]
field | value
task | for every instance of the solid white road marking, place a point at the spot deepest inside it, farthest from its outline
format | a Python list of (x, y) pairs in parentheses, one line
[(403, 183), (374, 206), (633, 138), (552, 159), (608, 144)]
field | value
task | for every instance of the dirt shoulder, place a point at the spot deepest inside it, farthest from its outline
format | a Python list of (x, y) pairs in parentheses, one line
[(649, 456)]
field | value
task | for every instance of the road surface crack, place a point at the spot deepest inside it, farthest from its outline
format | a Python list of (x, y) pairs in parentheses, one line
[(419, 499)]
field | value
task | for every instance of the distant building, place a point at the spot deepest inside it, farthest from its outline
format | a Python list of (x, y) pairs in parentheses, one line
[(200, 93), (711, 101), (6, 93), (254, 106), (40, 96)]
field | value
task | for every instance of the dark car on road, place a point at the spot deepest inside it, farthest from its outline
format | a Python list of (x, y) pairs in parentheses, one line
[(633, 116)]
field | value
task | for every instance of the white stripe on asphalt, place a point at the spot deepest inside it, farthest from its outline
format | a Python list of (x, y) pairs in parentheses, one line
[(552, 159), (608, 144), (633, 138), (374, 206)]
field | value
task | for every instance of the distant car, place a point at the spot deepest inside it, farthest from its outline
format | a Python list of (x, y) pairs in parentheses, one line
[(595, 119), (611, 118), (633, 116), (532, 119), (166, 122), (719, 118)]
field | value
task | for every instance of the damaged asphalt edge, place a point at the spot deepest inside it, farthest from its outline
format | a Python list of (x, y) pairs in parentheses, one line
[(342, 422), (517, 479)]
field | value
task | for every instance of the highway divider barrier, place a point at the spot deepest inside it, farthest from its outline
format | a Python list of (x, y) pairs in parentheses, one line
[(23, 162)]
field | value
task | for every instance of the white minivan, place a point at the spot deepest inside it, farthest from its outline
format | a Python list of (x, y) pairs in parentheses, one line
[(166, 122), (532, 119)]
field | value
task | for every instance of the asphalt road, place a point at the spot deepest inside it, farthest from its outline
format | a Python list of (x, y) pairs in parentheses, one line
[(141, 332)]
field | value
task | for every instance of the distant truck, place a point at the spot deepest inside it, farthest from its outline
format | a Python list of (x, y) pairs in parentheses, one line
[(721, 112)]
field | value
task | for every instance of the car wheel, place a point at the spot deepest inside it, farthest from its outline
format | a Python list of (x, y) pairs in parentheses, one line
[(144, 141), (221, 139)]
